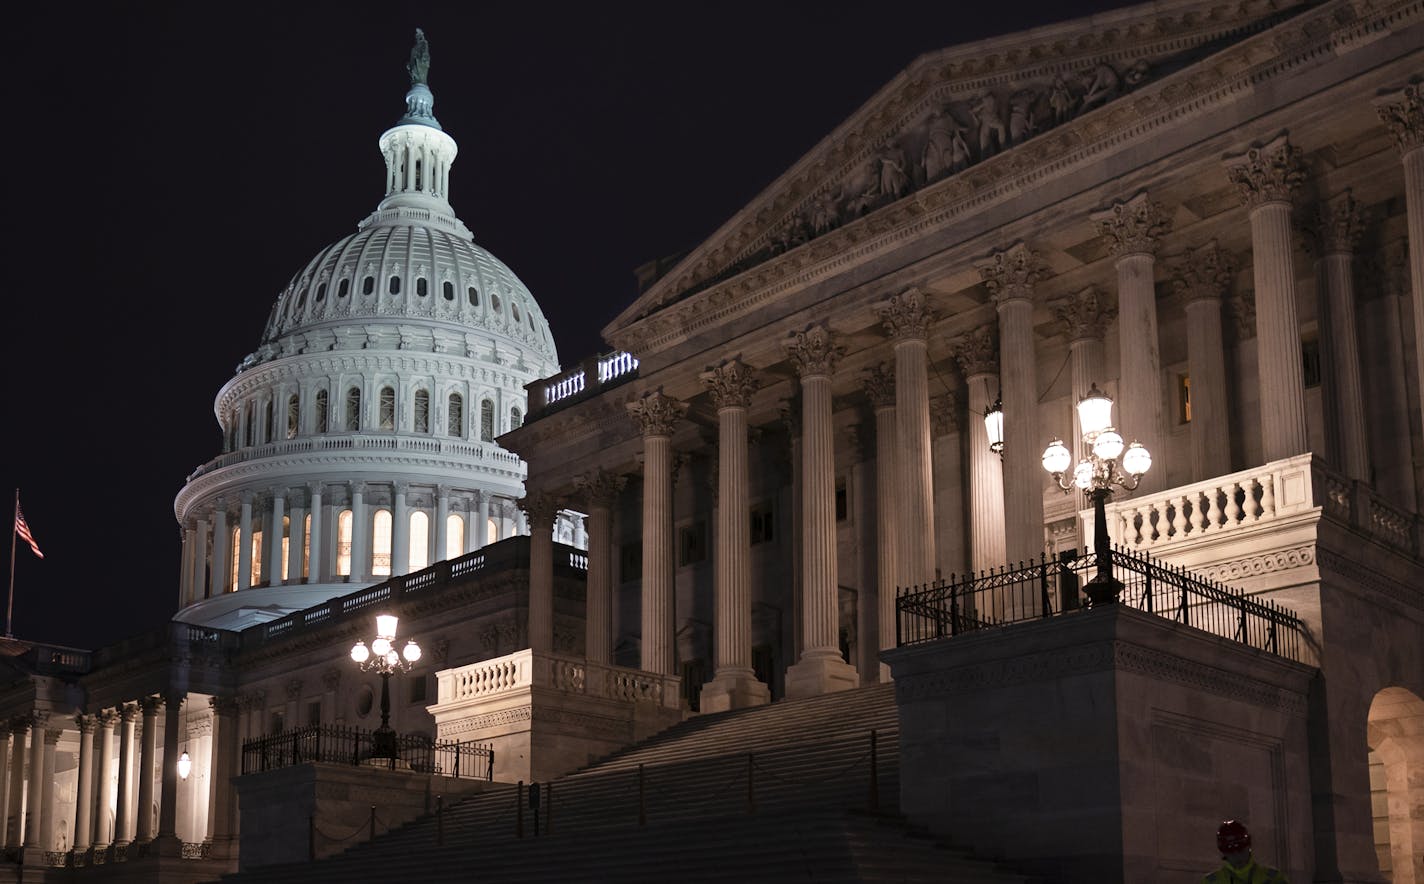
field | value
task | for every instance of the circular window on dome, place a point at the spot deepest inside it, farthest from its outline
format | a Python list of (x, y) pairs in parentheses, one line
[(494, 302), (449, 290), (514, 308)]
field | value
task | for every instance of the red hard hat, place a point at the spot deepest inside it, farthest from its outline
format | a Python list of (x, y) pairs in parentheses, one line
[(1232, 837)]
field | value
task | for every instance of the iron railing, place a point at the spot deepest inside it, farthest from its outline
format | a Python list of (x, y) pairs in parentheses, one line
[(1051, 587), (350, 745)]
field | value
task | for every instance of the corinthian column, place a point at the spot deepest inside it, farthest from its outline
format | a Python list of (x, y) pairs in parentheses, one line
[(540, 508), (274, 538), (1010, 276), (1202, 278), (104, 791), (84, 797), (148, 763), (1403, 113), (601, 489), (820, 669), (880, 390), (1266, 177), (657, 415), (35, 805), (734, 684), (1085, 316), (316, 563), (906, 320), (400, 529), (1336, 233), (978, 356), (244, 543), (1132, 230), (222, 549)]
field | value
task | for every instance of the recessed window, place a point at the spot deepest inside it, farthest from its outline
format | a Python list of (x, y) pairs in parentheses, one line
[(474, 295), (422, 411), (365, 701), (419, 541), (368, 285), (321, 292), (692, 544), (486, 421), (420, 287), (455, 409), (353, 410), (516, 420), (301, 301), (449, 290), (417, 688), (387, 408), (320, 411), (294, 412), (514, 309), (343, 543), (267, 422), (343, 288), (494, 302), (381, 544), (454, 536), (1310, 361), (1184, 398), (314, 713), (842, 503), (394, 286), (630, 560), (763, 523)]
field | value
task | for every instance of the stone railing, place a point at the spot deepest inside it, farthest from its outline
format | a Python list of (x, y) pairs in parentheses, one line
[(1273, 492), (525, 669), (577, 383), (486, 453)]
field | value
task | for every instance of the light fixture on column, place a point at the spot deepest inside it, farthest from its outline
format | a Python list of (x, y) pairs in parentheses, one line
[(1110, 463), (185, 766), (994, 425), (385, 660)]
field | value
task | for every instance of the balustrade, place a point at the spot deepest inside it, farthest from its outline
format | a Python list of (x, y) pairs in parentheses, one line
[(487, 452), (525, 669)]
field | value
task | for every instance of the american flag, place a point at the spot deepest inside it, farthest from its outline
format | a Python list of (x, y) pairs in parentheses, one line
[(22, 528)]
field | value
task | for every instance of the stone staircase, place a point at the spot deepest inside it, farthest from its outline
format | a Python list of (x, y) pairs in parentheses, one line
[(781, 792)]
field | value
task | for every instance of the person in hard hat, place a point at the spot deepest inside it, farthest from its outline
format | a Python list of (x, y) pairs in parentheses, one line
[(1238, 865)]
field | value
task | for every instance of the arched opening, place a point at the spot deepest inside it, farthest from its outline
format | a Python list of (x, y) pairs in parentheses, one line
[(343, 544), (419, 541), (516, 420), (387, 411), (491, 531), (1396, 740), (294, 411), (455, 411), (381, 544), (320, 421), (353, 410), (486, 421), (422, 411), (306, 547), (454, 536), (255, 577), (233, 554), (286, 549)]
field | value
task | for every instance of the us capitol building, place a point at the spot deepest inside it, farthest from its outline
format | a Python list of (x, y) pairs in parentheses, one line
[(813, 447)]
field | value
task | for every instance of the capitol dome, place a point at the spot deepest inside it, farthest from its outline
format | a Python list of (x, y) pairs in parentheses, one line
[(359, 438)]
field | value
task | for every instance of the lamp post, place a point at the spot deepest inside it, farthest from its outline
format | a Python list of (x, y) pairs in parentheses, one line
[(1110, 463), (382, 657)]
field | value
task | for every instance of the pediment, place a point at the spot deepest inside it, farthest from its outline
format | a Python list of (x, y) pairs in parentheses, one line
[(939, 121)]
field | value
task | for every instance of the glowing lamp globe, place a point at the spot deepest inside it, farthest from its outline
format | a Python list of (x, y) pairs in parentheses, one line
[(1108, 445), (381, 646), (411, 652), (185, 766), (1094, 412), (1137, 460), (386, 626), (360, 653), (1083, 476), (392, 658), (1057, 458)]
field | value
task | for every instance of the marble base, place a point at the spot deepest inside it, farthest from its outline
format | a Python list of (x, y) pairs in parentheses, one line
[(733, 690), (812, 676)]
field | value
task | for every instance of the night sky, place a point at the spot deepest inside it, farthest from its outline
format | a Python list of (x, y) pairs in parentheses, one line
[(169, 167)]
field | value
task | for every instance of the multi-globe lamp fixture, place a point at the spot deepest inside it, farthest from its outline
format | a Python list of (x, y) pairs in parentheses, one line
[(383, 657)]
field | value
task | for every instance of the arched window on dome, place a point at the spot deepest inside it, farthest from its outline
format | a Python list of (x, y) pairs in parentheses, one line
[(387, 408), (474, 295), (249, 425), (353, 410), (294, 413), (306, 547), (368, 285), (419, 541), (516, 420), (343, 543), (394, 286), (454, 536), (514, 309), (494, 302), (421, 287), (286, 549), (486, 420), (320, 421), (321, 293), (491, 531), (455, 415), (381, 544), (301, 302), (267, 423), (449, 290), (255, 578), (343, 288), (422, 411)]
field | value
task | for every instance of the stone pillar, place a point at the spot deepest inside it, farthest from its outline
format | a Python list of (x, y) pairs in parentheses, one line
[(978, 357), (5, 775), (274, 538), (400, 529), (1085, 316), (820, 668), (880, 391), (244, 543), (19, 729), (1336, 233), (84, 797), (601, 490), (360, 534), (225, 766), (791, 417), (200, 588), (947, 450), (442, 529), (1266, 177), (123, 824), (222, 549), (1202, 278), (734, 684), (103, 791), (186, 592), (906, 319), (540, 508), (47, 798), (37, 791), (1010, 276), (316, 565), (1403, 113), (168, 793), (1132, 230), (148, 762), (296, 540), (657, 414), (475, 529)]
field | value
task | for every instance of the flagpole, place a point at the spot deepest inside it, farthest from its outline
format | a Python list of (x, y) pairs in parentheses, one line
[(14, 530)]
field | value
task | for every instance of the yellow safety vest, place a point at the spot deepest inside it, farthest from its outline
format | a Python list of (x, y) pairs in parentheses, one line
[(1247, 874)]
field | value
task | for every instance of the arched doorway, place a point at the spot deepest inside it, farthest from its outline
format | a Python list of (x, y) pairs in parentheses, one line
[(1396, 740)]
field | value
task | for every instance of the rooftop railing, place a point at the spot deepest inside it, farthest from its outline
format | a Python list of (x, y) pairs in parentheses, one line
[(354, 746), (1052, 587), (588, 378)]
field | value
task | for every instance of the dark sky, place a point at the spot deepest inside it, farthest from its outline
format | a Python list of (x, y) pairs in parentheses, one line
[(168, 167)]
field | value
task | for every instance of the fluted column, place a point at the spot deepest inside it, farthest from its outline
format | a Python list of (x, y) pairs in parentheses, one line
[(442, 528), (6, 774), (978, 357), (168, 776), (657, 414), (123, 825), (482, 535), (34, 806), (734, 684), (820, 669), (1132, 230), (880, 390), (185, 570), (316, 565), (1202, 278), (906, 319), (199, 580), (274, 573), (1336, 232), (244, 543), (1085, 316), (1010, 276), (103, 790), (790, 413), (148, 762), (222, 549), (84, 797), (14, 830), (47, 797), (540, 508), (1266, 177), (360, 533), (296, 539), (601, 489), (400, 529), (1403, 113), (225, 765)]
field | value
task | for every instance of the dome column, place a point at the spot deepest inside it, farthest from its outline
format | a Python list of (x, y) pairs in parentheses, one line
[(274, 540), (296, 538), (222, 548), (185, 568), (400, 529), (315, 567), (657, 415), (360, 534), (244, 543), (442, 529), (199, 589)]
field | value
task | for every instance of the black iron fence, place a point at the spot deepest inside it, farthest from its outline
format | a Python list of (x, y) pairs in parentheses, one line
[(349, 745), (1050, 587)]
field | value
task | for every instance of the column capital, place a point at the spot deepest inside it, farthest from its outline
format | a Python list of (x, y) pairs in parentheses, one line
[(151, 705), (1402, 112), (314, 489), (977, 352), (278, 492), (246, 496), (400, 489), (294, 689), (224, 705), (108, 718), (442, 491), (732, 384), (906, 316), (944, 414), (813, 351), (540, 507), (657, 413), (1010, 273), (879, 386), (600, 487), (1133, 227), (1266, 174), (86, 723), (52, 735), (38, 718), (1243, 310), (1338, 225), (1204, 273), (1085, 315)]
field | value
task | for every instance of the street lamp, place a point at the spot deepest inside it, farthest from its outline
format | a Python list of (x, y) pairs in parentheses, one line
[(994, 425), (1111, 462), (382, 657)]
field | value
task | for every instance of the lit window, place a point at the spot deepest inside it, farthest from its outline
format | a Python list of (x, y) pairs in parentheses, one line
[(420, 287), (454, 536), (256, 576), (456, 410), (286, 548), (491, 531), (353, 409), (394, 287), (1184, 399), (763, 524), (419, 541), (343, 543), (306, 546), (486, 421), (381, 544), (294, 410), (388, 408), (232, 557), (321, 411), (516, 420), (422, 411)]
